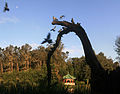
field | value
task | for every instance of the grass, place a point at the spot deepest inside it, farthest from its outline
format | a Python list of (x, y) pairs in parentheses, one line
[(33, 81)]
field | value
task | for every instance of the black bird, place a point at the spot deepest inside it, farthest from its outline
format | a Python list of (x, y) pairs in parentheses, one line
[(6, 7), (47, 39), (53, 29), (62, 16), (72, 21), (63, 28)]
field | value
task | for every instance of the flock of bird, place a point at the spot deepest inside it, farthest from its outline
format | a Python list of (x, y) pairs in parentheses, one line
[(55, 19), (48, 39)]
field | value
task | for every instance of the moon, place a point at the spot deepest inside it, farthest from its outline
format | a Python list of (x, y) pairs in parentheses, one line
[(16, 6)]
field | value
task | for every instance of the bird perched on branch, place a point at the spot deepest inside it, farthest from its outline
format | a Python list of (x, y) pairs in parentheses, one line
[(53, 29), (47, 39), (78, 23), (55, 19), (64, 28), (72, 21), (6, 7), (60, 30), (62, 16)]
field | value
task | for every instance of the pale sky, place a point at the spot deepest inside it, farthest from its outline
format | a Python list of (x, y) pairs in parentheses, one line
[(29, 21)]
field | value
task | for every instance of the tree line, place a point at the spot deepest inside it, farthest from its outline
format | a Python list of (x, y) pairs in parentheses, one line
[(24, 58)]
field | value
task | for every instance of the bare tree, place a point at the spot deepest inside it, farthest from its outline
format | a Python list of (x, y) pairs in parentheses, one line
[(51, 51), (97, 72), (101, 81)]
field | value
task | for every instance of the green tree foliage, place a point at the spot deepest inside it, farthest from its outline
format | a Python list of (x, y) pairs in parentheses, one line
[(37, 59), (115, 65), (79, 68), (38, 56), (106, 63), (58, 60), (36, 74), (31, 80)]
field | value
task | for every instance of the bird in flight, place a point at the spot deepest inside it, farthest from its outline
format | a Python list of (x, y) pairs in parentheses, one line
[(47, 39), (6, 7), (53, 29), (62, 16), (55, 19)]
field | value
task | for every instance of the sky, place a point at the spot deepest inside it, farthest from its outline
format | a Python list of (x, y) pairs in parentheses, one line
[(29, 21)]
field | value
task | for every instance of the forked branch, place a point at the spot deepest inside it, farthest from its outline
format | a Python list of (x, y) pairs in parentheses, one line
[(80, 32), (71, 25)]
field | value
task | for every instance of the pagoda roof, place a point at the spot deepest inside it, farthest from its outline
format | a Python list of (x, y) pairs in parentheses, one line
[(68, 76)]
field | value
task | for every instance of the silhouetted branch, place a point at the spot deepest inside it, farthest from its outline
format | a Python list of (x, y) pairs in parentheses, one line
[(98, 74), (62, 23), (52, 50), (71, 25), (80, 32)]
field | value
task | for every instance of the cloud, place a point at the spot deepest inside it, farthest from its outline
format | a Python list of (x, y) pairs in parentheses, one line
[(74, 51), (34, 45), (8, 19)]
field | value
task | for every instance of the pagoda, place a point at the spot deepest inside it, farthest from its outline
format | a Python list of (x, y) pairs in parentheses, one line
[(68, 79)]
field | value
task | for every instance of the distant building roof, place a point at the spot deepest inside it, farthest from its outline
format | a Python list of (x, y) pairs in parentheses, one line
[(68, 76)]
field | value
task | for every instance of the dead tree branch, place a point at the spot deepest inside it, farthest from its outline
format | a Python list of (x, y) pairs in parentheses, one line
[(52, 50), (98, 74)]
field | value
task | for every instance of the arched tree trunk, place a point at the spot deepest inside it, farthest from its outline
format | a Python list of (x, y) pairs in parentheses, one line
[(99, 78)]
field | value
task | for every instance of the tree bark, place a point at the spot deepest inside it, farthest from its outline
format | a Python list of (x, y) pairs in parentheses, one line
[(1, 67), (99, 78)]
